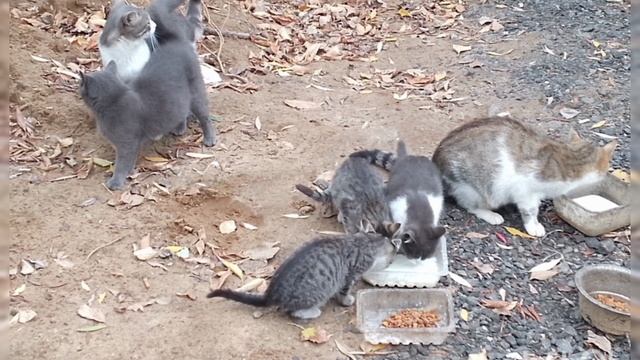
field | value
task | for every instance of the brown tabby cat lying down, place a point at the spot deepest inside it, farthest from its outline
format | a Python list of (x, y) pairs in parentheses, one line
[(491, 162)]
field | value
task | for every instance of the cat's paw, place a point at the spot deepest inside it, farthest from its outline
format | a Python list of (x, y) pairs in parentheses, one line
[(535, 229), (346, 300), (180, 130), (209, 141), (115, 183), (489, 216), (310, 313)]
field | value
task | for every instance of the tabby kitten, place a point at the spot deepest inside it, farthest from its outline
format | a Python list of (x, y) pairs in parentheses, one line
[(415, 198), (356, 192), (491, 162), (132, 33), (156, 103), (319, 270)]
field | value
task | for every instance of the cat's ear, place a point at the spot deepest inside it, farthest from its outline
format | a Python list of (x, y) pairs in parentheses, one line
[(574, 137), (130, 18), (111, 67), (392, 228), (438, 231), (115, 3), (608, 150), (368, 228)]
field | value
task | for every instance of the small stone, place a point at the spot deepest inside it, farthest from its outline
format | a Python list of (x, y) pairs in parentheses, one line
[(511, 340), (606, 246), (564, 346)]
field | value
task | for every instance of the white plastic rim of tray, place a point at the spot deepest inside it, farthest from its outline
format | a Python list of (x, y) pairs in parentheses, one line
[(595, 203), (405, 272)]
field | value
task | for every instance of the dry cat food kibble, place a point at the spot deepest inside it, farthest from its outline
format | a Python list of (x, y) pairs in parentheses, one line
[(412, 318), (613, 302)]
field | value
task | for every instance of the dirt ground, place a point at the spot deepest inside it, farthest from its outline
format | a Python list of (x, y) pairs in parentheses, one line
[(253, 183)]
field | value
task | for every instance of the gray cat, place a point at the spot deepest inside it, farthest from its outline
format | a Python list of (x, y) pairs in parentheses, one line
[(132, 33), (415, 196), (356, 192), (319, 270), (156, 103)]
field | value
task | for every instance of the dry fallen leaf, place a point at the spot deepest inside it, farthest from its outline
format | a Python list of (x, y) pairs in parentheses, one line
[(66, 142), (461, 48), (26, 268), (475, 235), (263, 252), (145, 254), (251, 285), (92, 328), (599, 124), (459, 279), (199, 155), (464, 314), (158, 159), (295, 216), (543, 275), (303, 104), (102, 162), (19, 290), (600, 342), (622, 175), (479, 356), (233, 267), (24, 316), (484, 20), (227, 227), (515, 232), (187, 295), (90, 313), (65, 263), (483, 268), (315, 335), (249, 226), (569, 113), (545, 266), (258, 123), (500, 306), (545, 270)]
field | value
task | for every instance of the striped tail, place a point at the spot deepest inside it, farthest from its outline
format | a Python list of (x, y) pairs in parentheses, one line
[(376, 157), (245, 298), (316, 195)]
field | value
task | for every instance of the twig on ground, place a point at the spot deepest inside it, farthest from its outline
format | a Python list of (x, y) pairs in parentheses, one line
[(102, 247), (228, 33)]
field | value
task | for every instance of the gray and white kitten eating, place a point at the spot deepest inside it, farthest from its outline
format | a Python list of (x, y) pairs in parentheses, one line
[(320, 270)]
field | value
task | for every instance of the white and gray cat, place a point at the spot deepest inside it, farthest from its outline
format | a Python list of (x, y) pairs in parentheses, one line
[(356, 192), (157, 102), (495, 161), (320, 270), (131, 33), (415, 197)]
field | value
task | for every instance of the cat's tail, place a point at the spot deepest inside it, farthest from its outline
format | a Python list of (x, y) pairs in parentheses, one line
[(242, 297), (402, 149), (316, 195), (194, 17), (376, 157)]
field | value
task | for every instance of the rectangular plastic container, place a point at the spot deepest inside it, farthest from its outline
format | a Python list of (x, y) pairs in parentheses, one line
[(373, 306), (404, 272), (593, 223)]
